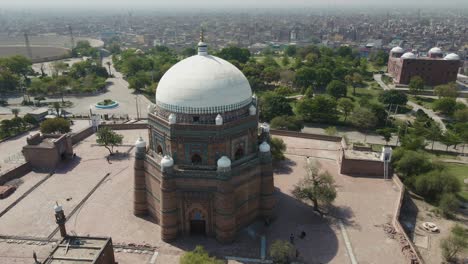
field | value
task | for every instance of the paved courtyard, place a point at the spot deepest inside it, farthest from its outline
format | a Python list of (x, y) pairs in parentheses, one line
[(97, 198)]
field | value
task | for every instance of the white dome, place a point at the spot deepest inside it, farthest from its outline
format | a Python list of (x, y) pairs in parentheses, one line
[(172, 119), (224, 162), (219, 120), (408, 55), (167, 161), (57, 208), (252, 110), (452, 56), (203, 84), (397, 50), (140, 143), (264, 147), (435, 50)]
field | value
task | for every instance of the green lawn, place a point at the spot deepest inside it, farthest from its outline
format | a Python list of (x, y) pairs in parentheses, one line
[(460, 171), (424, 101)]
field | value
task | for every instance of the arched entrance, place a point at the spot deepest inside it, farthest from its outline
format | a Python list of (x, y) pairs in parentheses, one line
[(196, 159), (159, 150), (239, 153), (197, 223)]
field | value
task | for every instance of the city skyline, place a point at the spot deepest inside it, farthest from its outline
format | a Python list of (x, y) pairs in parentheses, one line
[(234, 4)]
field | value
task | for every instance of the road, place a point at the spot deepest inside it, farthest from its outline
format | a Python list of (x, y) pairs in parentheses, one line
[(117, 90), (416, 107)]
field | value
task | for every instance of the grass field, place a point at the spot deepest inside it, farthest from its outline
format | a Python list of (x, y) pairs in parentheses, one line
[(460, 171)]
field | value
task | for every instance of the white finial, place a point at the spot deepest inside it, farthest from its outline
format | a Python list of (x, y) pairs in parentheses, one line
[(167, 161), (252, 110), (202, 47), (57, 207), (224, 163)]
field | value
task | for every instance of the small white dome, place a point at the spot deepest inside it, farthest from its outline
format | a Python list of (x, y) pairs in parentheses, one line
[(264, 147), (57, 208), (167, 161), (252, 110), (140, 143), (397, 50), (219, 120), (224, 162), (452, 56), (435, 50), (408, 55), (265, 127), (151, 108), (172, 119)]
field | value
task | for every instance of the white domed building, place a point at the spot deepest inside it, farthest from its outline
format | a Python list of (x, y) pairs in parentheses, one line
[(434, 69), (203, 171)]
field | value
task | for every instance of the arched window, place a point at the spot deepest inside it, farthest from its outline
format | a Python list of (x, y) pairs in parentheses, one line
[(239, 153), (196, 159), (159, 150)]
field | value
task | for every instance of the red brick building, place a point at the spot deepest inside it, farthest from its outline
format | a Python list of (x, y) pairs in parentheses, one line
[(435, 69), (206, 169)]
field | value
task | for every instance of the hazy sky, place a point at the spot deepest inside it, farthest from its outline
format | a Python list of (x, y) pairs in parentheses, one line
[(231, 3)]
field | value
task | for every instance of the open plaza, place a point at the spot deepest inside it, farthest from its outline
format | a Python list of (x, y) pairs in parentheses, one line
[(97, 197)]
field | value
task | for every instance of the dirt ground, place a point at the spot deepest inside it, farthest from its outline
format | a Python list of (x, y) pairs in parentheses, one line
[(354, 229), (415, 213)]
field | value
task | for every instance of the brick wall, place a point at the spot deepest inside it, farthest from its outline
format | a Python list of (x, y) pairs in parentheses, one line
[(126, 126), (15, 173), (304, 135), (82, 134)]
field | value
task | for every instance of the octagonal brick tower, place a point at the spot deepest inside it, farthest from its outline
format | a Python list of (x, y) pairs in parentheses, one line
[(204, 171)]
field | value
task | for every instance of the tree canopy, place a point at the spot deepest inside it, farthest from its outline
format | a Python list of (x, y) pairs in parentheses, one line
[(108, 138)]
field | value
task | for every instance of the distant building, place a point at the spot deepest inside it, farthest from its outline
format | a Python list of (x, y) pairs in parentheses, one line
[(206, 171), (435, 69)]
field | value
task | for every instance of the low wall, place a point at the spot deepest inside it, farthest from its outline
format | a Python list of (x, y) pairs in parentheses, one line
[(126, 126), (82, 134), (15, 173), (359, 167), (396, 219), (287, 133)]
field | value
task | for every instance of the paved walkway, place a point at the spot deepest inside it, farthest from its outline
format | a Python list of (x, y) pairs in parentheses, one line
[(416, 107)]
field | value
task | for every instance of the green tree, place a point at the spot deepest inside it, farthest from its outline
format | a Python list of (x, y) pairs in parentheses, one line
[(450, 138), (55, 125), (8, 80), (285, 60), (305, 77), (18, 65), (461, 115), (411, 162), (62, 83), (282, 252), (287, 122), (139, 81), (363, 118), (386, 133), (446, 90), (416, 84), (187, 52), (435, 183), (272, 105), (271, 74), (354, 81), (291, 50), (278, 147), (29, 119), (455, 243), (433, 133), (317, 187), (198, 256), (413, 142), (323, 77), (57, 107), (448, 204), (58, 67), (346, 106), (445, 105), (15, 111), (321, 108), (394, 97), (336, 89), (241, 55), (108, 138)]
